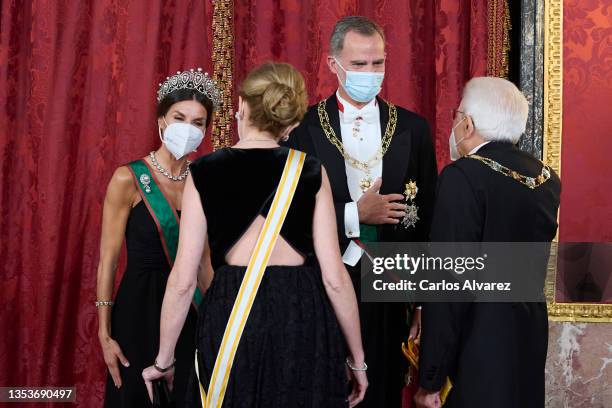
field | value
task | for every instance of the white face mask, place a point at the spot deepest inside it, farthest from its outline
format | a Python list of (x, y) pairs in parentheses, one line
[(452, 144), (181, 138), (361, 86)]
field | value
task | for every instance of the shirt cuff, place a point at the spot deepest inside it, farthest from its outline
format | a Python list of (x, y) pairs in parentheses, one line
[(351, 220), (352, 255)]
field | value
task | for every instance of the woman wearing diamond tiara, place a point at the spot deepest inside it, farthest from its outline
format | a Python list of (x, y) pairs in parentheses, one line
[(279, 325), (142, 203)]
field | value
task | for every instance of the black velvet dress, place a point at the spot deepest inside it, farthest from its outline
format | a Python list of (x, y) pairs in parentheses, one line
[(136, 314), (292, 352)]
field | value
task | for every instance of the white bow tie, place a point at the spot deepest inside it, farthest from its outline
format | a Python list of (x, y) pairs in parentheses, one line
[(368, 115)]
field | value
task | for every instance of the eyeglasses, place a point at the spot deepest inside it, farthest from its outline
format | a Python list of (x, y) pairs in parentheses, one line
[(455, 111)]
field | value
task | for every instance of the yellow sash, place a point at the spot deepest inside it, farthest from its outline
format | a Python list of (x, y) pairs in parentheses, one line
[(411, 352), (250, 283)]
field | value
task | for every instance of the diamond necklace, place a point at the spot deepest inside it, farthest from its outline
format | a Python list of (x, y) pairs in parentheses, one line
[(166, 172)]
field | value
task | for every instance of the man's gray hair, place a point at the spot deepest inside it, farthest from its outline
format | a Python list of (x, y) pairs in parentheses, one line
[(497, 107), (358, 24)]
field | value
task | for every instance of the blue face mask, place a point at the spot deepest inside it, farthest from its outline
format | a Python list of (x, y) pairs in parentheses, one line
[(362, 86)]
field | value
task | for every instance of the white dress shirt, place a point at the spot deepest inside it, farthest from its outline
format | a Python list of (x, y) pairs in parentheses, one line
[(477, 148), (361, 138)]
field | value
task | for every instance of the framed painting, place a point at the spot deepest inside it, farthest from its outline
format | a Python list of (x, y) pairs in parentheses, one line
[(577, 144)]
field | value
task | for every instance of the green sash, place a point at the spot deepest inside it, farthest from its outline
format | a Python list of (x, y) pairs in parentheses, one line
[(163, 213), (368, 233)]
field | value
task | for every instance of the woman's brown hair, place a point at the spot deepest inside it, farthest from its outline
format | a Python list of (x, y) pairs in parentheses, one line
[(276, 95)]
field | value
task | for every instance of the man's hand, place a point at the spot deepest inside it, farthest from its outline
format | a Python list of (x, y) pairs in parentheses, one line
[(375, 209), (415, 327), (427, 399)]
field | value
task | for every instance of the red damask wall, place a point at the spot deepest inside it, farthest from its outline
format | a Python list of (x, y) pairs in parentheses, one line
[(433, 48), (586, 149), (78, 83)]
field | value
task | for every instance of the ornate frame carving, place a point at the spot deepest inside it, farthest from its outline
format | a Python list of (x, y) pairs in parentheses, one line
[(223, 67), (498, 46), (553, 125)]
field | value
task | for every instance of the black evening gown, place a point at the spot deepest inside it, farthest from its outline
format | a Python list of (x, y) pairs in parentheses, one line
[(292, 352), (136, 314)]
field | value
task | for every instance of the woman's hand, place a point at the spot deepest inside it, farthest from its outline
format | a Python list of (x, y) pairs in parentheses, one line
[(120, 195), (151, 374), (360, 384), (112, 354)]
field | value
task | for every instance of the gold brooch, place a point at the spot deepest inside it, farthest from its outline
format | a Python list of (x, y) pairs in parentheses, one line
[(412, 216), (411, 190)]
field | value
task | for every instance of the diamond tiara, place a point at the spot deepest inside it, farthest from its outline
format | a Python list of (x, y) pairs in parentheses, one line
[(192, 79)]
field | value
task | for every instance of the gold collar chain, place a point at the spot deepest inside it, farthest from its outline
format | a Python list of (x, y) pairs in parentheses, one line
[(531, 182), (364, 166)]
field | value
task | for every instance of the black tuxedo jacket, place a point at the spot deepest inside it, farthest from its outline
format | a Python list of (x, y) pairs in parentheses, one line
[(410, 156), (494, 353)]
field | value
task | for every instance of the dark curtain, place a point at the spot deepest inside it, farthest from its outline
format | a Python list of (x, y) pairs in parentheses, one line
[(78, 83)]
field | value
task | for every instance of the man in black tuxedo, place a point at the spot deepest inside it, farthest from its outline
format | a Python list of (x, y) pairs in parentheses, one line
[(493, 353), (371, 150)]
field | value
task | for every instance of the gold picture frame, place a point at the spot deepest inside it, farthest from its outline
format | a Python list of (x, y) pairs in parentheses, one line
[(553, 126)]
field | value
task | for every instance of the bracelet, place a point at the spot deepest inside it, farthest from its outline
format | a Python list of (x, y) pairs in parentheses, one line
[(104, 303), (163, 370), (364, 368)]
